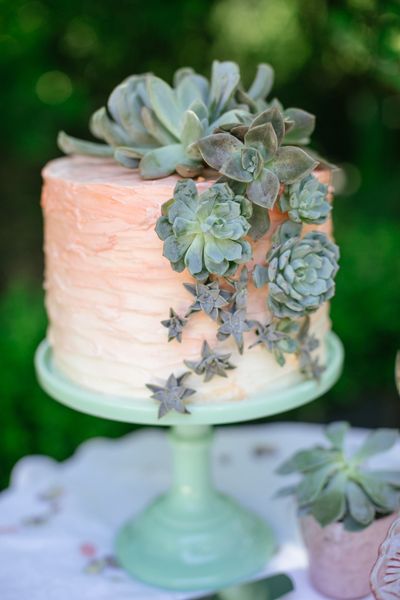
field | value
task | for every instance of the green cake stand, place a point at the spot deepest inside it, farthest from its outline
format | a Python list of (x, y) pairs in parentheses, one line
[(192, 537)]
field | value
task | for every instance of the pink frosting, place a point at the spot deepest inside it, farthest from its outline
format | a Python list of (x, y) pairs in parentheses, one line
[(108, 287)]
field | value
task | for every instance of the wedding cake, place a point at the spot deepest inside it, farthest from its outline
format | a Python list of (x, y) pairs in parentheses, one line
[(189, 257)]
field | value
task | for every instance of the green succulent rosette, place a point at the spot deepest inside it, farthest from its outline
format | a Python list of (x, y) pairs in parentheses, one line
[(205, 233), (153, 125), (306, 201), (300, 274), (260, 162)]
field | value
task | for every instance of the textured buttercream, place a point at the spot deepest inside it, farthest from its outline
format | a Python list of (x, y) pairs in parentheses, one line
[(108, 287)]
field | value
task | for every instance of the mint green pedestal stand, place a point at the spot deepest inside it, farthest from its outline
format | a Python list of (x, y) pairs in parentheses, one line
[(192, 537)]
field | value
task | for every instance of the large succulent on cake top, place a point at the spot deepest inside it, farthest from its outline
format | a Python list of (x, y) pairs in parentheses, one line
[(306, 201), (260, 162), (205, 233), (151, 124), (300, 274)]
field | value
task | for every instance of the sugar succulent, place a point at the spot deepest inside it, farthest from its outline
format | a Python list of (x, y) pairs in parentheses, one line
[(172, 395), (306, 201), (277, 336), (309, 365), (151, 124), (205, 233), (209, 297), (260, 162), (211, 363), (175, 325), (234, 323), (337, 487), (300, 274)]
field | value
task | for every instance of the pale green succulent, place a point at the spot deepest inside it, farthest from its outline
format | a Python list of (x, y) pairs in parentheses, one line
[(205, 233), (151, 124), (260, 163), (306, 201), (336, 487), (300, 274)]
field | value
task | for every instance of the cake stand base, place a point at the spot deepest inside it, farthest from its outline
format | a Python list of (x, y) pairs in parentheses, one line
[(193, 537)]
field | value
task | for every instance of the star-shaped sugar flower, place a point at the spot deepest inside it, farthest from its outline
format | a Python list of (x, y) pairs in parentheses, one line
[(209, 297), (172, 395), (276, 336), (239, 297), (210, 363), (175, 325), (235, 324), (309, 366)]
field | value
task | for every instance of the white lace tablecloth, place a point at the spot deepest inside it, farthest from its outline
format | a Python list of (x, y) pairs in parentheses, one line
[(58, 520)]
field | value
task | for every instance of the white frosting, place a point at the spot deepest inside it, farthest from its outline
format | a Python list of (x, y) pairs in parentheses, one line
[(108, 287)]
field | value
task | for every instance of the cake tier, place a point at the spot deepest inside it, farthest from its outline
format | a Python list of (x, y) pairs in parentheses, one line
[(108, 288)]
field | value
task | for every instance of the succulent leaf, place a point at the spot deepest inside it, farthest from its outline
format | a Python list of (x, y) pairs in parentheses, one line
[(302, 128), (361, 508), (71, 145), (209, 297), (161, 161), (263, 82), (330, 505), (225, 78), (377, 441), (336, 433), (313, 483), (217, 149), (175, 325), (235, 324), (307, 460)]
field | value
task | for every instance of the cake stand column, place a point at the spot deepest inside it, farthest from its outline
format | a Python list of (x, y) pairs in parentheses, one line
[(193, 537)]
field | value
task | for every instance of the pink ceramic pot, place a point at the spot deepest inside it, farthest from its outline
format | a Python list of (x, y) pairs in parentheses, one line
[(340, 560)]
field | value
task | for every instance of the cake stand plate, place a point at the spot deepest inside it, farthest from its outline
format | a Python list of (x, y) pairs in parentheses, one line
[(192, 537)]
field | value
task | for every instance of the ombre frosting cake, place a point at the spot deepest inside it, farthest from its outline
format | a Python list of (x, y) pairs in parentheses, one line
[(168, 284)]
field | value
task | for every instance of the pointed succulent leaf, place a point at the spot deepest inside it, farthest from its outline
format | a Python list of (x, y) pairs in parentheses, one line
[(187, 92), (71, 145), (330, 505), (303, 126), (313, 483), (360, 506), (273, 116), (378, 441), (336, 432), (260, 222), (260, 275), (217, 149), (192, 129), (307, 460), (225, 78), (382, 494), (164, 104), (292, 163), (162, 161), (263, 82), (156, 128), (104, 128), (232, 117), (233, 169), (263, 137), (264, 190), (390, 477), (125, 159), (190, 168)]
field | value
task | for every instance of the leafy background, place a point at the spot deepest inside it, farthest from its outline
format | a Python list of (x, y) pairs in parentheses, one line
[(340, 60)]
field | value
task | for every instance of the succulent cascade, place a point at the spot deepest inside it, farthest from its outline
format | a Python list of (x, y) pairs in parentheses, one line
[(336, 487), (258, 150)]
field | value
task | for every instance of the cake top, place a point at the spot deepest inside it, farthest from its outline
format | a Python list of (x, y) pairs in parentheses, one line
[(260, 161)]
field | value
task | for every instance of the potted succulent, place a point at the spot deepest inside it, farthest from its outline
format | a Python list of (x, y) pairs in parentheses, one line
[(345, 509)]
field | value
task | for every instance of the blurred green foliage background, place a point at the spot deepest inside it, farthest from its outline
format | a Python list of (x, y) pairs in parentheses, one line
[(340, 60)]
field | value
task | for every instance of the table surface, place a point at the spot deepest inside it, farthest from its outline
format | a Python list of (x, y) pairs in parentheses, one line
[(58, 520)]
